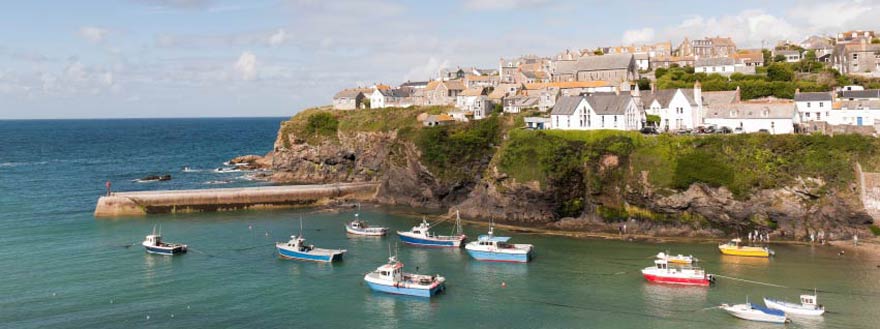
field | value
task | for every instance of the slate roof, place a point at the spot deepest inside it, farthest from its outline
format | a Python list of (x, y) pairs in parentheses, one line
[(609, 103), (566, 105), (347, 93), (812, 97), (595, 63), (711, 98), (475, 91), (868, 93), (868, 104), (664, 96), (716, 61), (414, 84), (399, 92), (775, 110)]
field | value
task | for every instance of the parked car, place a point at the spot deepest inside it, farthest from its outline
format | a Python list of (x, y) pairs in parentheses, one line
[(725, 130), (763, 131), (649, 131)]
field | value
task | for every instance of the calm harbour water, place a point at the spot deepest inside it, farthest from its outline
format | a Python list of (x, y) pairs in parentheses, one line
[(62, 268)]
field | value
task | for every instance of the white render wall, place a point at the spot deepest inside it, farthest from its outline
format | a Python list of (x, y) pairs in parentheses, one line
[(813, 111), (750, 125), (856, 117), (720, 69), (584, 118)]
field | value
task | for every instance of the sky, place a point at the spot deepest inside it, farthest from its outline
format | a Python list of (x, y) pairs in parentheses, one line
[(216, 58)]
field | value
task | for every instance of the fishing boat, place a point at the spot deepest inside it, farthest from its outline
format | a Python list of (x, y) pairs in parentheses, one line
[(734, 248), (421, 235), (752, 312), (153, 244), (389, 278), (678, 259), (808, 306), (360, 227), (662, 273), (496, 249), (297, 249)]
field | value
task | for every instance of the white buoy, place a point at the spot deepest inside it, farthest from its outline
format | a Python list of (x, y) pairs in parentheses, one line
[(148, 316), (503, 284), (172, 316), (54, 294), (250, 227), (111, 301), (187, 307)]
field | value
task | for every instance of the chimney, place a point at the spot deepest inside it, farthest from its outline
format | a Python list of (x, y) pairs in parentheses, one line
[(797, 91), (698, 93), (737, 97)]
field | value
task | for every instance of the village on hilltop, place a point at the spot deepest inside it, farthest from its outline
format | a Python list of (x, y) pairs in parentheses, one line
[(616, 88)]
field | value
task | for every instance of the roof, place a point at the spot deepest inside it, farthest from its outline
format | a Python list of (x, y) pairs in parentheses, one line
[(439, 118), (399, 92), (664, 96), (812, 97), (382, 87), (869, 104), (414, 84), (493, 238), (672, 59), (347, 93), (755, 110), (719, 97), (609, 103), (474, 77), (569, 84), (596, 63), (714, 61), (524, 101), (566, 105), (867, 93), (718, 41), (455, 85), (475, 91), (756, 57)]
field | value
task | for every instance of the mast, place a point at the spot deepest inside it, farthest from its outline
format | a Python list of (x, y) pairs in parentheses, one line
[(300, 226), (458, 229)]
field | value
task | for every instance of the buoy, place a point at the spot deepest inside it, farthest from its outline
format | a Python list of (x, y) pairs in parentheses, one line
[(187, 307), (172, 316), (503, 284), (250, 227), (148, 316), (54, 294), (111, 301)]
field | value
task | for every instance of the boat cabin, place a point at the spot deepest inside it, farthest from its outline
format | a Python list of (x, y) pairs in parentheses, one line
[(391, 270), (808, 300), (298, 244), (497, 241), (154, 240), (661, 264)]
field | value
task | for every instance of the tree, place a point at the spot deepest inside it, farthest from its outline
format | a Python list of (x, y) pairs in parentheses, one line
[(780, 72), (779, 58), (598, 52), (653, 120), (810, 56), (660, 72), (875, 41), (767, 56), (644, 83)]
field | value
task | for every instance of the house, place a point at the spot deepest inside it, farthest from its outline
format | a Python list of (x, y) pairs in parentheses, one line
[(474, 100), (652, 50), (537, 123), (439, 92), (748, 58), (670, 61), (472, 80), (643, 61), (348, 99), (438, 120), (860, 94), (616, 111), (386, 97), (508, 69), (791, 56), (770, 115), (854, 37), (722, 65), (517, 103), (822, 46), (615, 68), (707, 47), (855, 113), (858, 58), (503, 90), (813, 106), (678, 108)]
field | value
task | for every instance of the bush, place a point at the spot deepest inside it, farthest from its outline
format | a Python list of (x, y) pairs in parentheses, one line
[(702, 167), (453, 151), (323, 124), (875, 229)]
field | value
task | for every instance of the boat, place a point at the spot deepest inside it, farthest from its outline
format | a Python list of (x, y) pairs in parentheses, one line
[(360, 227), (678, 259), (297, 249), (421, 235), (734, 248), (389, 278), (153, 244), (808, 306), (496, 249), (662, 273), (752, 312)]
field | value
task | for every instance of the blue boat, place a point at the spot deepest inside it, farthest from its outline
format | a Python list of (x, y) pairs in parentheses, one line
[(493, 248), (297, 249), (153, 244), (421, 235), (389, 278)]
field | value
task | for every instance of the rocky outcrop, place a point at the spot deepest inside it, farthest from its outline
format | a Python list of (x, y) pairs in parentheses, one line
[(253, 162)]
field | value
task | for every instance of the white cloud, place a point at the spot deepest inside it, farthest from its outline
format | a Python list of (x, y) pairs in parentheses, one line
[(278, 38), (749, 28), (246, 66), (637, 36), (427, 71), (93, 34), (831, 16), (501, 4)]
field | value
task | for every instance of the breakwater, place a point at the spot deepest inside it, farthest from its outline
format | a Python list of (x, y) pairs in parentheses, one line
[(172, 201)]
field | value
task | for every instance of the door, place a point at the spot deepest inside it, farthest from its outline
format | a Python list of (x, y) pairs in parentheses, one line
[(859, 121)]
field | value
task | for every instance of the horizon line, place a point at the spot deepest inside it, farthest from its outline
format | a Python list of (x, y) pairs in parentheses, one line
[(143, 118)]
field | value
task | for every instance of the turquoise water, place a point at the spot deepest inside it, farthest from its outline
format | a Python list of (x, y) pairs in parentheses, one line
[(62, 268)]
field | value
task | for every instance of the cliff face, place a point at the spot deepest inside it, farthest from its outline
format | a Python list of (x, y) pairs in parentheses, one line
[(597, 195)]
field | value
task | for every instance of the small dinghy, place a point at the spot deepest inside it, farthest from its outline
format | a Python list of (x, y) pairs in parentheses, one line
[(390, 278), (297, 249), (751, 312), (153, 244), (360, 227), (808, 306), (678, 259), (421, 235), (493, 248), (661, 272)]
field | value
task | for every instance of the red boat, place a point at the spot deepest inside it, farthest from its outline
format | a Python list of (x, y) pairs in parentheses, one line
[(662, 273)]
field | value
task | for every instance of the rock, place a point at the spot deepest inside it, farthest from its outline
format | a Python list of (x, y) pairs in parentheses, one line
[(253, 162), (155, 178)]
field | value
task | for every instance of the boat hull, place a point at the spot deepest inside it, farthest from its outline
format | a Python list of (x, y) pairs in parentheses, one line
[(423, 242), (676, 280), (488, 256), (794, 309), (745, 252), (350, 230), (390, 289), (164, 251), (296, 255), (753, 315)]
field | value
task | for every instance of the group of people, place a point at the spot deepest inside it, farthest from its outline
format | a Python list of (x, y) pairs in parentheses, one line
[(757, 236)]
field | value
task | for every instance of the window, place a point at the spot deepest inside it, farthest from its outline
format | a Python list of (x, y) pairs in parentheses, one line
[(808, 104), (821, 104), (818, 115), (855, 56), (807, 114)]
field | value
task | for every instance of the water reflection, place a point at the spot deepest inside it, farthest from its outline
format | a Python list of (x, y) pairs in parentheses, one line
[(665, 300), (736, 265), (394, 308), (153, 264)]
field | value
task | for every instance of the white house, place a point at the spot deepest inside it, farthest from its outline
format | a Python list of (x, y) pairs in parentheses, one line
[(616, 111), (720, 65), (677, 108), (856, 113), (813, 106), (381, 98), (517, 103), (791, 56), (773, 116), (475, 100)]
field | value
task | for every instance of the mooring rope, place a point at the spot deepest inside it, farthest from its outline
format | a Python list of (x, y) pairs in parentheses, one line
[(750, 281)]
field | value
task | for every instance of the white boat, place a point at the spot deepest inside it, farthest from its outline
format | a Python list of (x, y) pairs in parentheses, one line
[(493, 248), (752, 312), (678, 259), (153, 244), (297, 249), (360, 227), (689, 276), (390, 278), (808, 306), (422, 236)]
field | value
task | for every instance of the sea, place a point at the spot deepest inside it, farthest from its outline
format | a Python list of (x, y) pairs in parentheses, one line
[(62, 268)]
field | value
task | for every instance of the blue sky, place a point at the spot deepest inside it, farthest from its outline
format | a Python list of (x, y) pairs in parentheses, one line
[(214, 58)]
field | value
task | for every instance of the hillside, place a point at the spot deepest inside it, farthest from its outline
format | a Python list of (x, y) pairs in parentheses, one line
[(666, 185)]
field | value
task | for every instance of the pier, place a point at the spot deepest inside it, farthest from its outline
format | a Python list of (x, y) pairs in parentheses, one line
[(223, 199)]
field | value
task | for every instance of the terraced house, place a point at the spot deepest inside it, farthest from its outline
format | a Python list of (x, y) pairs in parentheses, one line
[(614, 111)]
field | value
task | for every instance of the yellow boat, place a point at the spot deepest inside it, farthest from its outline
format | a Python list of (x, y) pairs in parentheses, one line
[(734, 248)]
